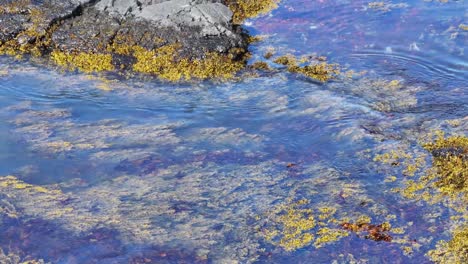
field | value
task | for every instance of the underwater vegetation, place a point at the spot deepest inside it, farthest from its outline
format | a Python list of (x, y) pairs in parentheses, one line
[(295, 226), (374, 232), (383, 95), (316, 69), (450, 163), (446, 178), (385, 6), (445, 181), (454, 250), (15, 258), (271, 169)]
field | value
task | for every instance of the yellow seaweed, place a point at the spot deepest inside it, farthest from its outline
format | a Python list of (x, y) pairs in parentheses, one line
[(453, 251), (244, 9), (164, 63), (321, 71), (86, 62)]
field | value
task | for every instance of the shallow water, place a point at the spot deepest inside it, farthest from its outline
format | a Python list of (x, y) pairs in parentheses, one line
[(139, 171)]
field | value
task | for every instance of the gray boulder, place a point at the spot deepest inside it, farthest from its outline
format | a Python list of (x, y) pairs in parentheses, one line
[(200, 26)]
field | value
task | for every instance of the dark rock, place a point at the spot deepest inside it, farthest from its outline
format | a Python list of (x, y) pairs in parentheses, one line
[(11, 25), (200, 26)]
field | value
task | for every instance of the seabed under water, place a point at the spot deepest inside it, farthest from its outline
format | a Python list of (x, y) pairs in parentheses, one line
[(369, 167)]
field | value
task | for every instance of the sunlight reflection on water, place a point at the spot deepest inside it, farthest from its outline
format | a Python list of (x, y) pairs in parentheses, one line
[(139, 171)]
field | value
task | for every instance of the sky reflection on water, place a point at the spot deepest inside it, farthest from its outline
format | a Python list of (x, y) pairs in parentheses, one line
[(133, 171)]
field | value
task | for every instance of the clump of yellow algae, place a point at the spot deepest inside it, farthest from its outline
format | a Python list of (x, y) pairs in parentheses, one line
[(320, 71), (453, 251), (295, 225), (166, 64), (450, 162), (85, 62), (244, 9), (14, 183), (261, 65), (445, 181), (35, 39), (446, 178)]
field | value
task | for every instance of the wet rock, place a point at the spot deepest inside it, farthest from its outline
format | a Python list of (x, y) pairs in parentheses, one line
[(11, 25), (110, 33), (200, 26)]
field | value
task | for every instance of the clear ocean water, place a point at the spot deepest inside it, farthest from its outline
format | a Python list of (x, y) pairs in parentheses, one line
[(111, 170)]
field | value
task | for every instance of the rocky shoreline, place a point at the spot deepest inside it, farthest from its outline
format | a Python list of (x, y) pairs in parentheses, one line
[(173, 39)]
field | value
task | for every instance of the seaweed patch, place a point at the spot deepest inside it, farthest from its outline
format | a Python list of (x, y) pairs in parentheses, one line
[(372, 231), (296, 225), (244, 9), (314, 68), (454, 250), (442, 181)]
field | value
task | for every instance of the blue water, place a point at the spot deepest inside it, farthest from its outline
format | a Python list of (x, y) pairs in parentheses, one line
[(144, 171)]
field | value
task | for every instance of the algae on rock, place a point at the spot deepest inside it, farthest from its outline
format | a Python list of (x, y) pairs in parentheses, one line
[(244, 9), (65, 33)]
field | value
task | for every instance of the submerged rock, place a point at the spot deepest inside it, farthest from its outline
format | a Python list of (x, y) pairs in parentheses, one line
[(175, 38)]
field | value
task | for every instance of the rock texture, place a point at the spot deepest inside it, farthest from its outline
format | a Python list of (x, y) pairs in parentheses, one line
[(90, 26), (173, 39), (169, 38)]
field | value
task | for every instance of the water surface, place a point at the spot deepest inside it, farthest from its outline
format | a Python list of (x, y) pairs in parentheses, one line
[(139, 171)]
